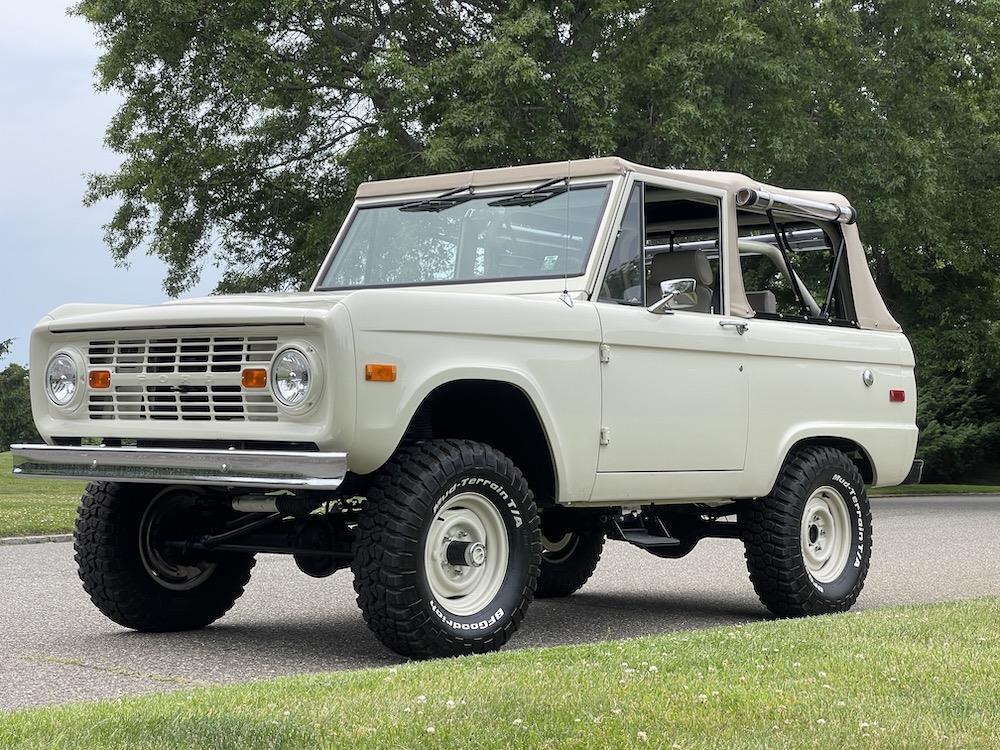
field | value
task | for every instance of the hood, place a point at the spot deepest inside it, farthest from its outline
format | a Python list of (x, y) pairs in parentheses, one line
[(249, 309)]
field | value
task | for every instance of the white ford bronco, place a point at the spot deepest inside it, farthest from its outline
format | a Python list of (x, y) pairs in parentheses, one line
[(493, 373)]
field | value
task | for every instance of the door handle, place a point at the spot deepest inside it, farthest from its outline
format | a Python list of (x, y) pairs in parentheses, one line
[(739, 325)]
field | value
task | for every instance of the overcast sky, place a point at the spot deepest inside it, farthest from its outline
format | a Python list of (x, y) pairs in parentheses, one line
[(52, 125)]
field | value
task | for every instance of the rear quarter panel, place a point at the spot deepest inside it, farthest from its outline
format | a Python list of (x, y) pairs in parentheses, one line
[(806, 382)]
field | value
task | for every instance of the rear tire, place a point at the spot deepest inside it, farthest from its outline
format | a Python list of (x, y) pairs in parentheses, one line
[(431, 501), (135, 582), (808, 544), (569, 559)]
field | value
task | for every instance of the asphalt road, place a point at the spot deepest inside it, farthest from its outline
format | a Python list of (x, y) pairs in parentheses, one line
[(55, 647)]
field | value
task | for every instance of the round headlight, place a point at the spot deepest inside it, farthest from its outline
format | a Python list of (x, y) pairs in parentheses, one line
[(291, 377), (61, 379)]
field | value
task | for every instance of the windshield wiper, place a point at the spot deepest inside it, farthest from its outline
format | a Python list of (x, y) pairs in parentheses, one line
[(439, 203), (534, 195)]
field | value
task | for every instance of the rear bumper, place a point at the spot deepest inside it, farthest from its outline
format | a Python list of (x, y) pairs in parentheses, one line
[(222, 468)]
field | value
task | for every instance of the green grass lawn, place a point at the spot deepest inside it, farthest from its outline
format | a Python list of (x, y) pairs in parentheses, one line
[(924, 676), (936, 489), (35, 506)]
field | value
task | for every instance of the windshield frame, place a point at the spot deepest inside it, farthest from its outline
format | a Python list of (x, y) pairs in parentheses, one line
[(491, 192)]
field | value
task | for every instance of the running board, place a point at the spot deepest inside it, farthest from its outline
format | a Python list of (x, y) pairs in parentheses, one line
[(644, 538)]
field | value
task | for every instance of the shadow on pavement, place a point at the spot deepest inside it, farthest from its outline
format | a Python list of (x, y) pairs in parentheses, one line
[(310, 643)]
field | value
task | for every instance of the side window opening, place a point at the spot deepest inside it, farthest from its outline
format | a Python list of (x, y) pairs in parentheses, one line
[(667, 236), (623, 282), (818, 288)]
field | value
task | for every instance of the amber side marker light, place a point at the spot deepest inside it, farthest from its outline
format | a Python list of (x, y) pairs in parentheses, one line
[(381, 373), (99, 379), (254, 378)]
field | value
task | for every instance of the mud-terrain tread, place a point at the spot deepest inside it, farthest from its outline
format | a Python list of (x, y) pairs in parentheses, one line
[(556, 580), (107, 525), (386, 547), (770, 530)]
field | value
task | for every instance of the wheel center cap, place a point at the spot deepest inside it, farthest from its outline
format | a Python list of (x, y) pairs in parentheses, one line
[(470, 554), (476, 554)]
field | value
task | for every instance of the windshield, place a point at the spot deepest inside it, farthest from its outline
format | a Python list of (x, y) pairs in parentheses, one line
[(469, 240)]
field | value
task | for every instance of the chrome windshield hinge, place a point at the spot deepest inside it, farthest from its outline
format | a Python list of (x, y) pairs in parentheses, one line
[(605, 353), (605, 435)]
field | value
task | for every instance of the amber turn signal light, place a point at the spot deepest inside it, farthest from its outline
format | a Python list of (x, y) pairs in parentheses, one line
[(381, 373), (254, 378), (99, 379)]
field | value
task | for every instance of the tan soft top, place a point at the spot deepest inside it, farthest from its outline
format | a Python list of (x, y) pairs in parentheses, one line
[(871, 310), (604, 166)]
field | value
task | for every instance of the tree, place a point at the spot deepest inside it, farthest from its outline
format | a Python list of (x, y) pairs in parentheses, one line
[(245, 127), (16, 423)]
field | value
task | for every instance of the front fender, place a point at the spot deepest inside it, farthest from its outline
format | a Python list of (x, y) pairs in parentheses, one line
[(547, 350)]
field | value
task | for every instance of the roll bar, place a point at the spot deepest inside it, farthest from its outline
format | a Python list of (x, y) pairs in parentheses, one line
[(762, 200)]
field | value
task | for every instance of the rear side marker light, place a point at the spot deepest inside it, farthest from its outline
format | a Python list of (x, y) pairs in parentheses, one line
[(897, 397), (381, 373), (99, 379), (254, 378)]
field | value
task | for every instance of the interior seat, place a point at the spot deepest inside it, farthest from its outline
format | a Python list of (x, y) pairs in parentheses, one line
[(686, 264), (763, 302)]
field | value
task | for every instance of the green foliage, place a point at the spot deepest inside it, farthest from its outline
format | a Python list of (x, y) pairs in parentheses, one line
[(245, 128), (16, 424), (902, 490), (960, 425)]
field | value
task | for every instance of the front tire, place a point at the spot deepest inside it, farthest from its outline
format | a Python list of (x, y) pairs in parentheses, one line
[(808, 544), (139, 583), (447, 550)]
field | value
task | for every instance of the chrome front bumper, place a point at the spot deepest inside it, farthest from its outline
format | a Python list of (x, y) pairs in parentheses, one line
[(223, 468)]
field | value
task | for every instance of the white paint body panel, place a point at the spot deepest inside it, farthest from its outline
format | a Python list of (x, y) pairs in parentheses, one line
[(675, 396), (543, 347), (801, 381), (693, 410)]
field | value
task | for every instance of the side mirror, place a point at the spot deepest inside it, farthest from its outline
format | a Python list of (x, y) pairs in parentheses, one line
[(678, 294)]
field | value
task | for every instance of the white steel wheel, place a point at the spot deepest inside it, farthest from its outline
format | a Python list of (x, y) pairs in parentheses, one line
[(826, 534), (466, 554), (808, 543), (446, 549)]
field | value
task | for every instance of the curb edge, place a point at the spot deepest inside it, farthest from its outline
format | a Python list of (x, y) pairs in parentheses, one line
[(14, 540)]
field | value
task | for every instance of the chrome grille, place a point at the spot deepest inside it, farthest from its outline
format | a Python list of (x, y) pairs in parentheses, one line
[(189, 378), (216, 354)]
